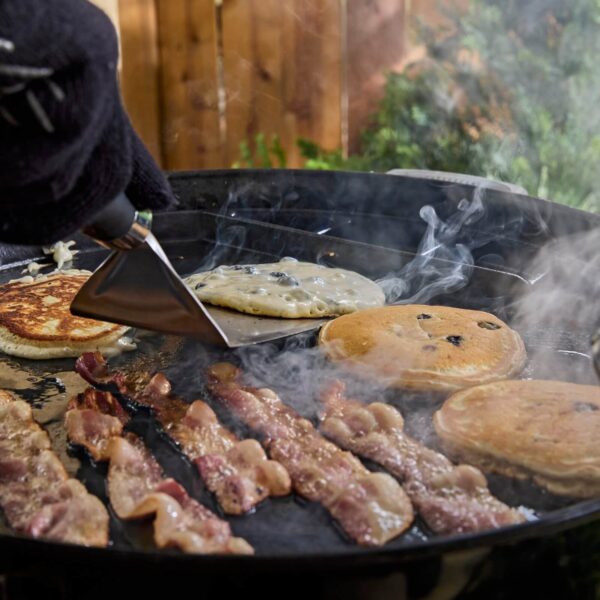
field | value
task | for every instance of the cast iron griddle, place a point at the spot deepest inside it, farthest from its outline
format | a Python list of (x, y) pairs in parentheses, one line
[(288, 529)]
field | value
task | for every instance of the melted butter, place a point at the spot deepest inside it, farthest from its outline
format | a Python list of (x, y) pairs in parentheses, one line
[(44, 276), (61, 252), (33, 267), (123, 344), (287, 288), (13, 377)]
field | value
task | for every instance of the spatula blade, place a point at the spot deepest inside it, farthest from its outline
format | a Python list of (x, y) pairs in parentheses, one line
[(242, 329), (140, 288)]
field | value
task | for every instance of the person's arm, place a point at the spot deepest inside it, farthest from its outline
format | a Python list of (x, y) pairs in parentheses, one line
[(67, 147)]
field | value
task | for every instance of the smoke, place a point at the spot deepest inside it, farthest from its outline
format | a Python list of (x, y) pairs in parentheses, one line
[(228, 237), (444, 260), (566, 283), (443, 264), (558, 314)]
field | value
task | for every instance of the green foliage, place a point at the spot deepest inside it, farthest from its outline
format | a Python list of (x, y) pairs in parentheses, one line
[(262, 154), (317, 158), (508, 90)]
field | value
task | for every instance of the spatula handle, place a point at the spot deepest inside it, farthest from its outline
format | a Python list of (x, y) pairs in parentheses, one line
[(119, 226)]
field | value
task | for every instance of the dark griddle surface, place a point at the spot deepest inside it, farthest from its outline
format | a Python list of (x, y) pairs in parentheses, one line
[(288, 527)]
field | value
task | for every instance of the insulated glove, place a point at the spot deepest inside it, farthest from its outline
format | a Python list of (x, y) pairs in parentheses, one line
[(67, 147)]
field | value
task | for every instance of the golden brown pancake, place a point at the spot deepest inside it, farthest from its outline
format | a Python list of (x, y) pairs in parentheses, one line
[(35, 321), (545, 430), (425, 347)]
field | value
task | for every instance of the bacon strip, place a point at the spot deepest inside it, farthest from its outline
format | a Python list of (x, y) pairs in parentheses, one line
[(36, 494), (451, 499), (137, 486), (371, 507), (237, 472), (93, 419)]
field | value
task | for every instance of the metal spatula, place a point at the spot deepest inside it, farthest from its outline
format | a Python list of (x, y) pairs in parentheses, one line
[(137, 286)]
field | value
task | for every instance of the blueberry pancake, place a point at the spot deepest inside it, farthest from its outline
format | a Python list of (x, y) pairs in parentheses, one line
[(425, 348), (548, 431), (288, 288)]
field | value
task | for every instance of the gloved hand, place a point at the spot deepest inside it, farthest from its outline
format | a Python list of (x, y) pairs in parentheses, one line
[(67, 147)]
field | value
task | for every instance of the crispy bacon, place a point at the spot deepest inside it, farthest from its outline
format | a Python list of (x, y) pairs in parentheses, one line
[(371, 507), (92, 419), (451, 499), (137, 486), (237, 472), (36, 494), (92, 367)]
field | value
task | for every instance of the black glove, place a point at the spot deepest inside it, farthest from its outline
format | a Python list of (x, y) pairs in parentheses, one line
[(67, 147)]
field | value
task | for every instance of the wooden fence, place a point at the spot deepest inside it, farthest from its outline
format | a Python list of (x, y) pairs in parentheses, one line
[(200, 76)]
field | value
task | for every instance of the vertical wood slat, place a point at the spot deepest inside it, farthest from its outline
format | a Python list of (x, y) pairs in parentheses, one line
[(314, 91), (282, 68), (283, 72), (139, 70), (188, 80), (376, 44)]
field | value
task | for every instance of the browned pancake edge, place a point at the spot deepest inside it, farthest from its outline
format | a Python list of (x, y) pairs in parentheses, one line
[(548, 431), (422, 347), (39, 311)]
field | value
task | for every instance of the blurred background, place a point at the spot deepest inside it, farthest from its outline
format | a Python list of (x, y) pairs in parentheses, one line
[(499, 88)]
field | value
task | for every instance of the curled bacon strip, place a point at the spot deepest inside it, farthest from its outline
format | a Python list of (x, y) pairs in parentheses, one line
[(371, 507), (137, 486), (451, 499), (237, 471), (93, 419), (36, 494)]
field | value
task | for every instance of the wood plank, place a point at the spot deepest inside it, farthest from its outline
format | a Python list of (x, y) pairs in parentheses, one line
[(139, 70), (432, 13), (191, 138), (282, 72), (253, 63), (239, 42), (376, 44), (313, 74)]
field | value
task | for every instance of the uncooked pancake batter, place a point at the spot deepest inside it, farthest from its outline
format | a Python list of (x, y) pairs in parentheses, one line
[(288, 288)]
